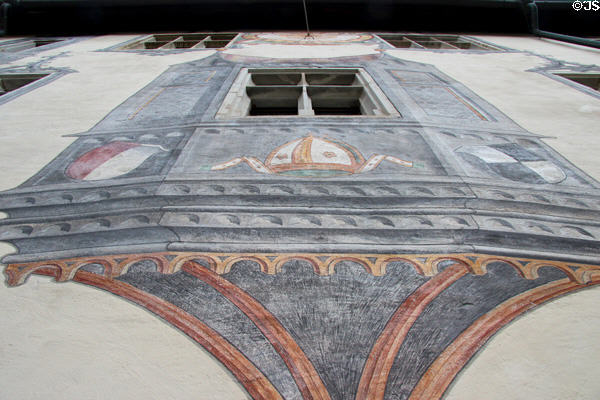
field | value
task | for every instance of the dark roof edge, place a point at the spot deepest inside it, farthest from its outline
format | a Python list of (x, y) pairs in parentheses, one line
[(81, 17)]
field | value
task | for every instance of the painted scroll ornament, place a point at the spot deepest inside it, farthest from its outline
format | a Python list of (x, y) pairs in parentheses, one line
[(111, 160), (313, 157)]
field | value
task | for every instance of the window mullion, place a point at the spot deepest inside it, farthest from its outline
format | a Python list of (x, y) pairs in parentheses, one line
[(304, 102), (417, 45), (171, 44), (434, 39), (202, 43), (305, 93)]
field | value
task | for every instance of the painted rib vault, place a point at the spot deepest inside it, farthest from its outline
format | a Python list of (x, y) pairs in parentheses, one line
[(317, 258)]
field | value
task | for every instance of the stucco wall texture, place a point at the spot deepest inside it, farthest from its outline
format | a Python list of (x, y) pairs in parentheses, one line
[(69, 341)]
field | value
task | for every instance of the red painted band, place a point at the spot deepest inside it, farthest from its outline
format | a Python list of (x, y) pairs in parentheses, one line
[(377, 368), (304, 373), (88, 162)]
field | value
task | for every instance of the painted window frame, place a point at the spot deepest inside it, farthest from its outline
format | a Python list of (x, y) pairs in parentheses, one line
[(372, 101)]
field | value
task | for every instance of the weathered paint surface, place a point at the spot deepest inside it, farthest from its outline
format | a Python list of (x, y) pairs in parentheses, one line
[(378, 277)]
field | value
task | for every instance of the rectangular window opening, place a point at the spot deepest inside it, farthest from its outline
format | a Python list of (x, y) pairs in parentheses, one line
[(305, 92), (10, 82), (42, 42), (335, 100), (25, 44), (590, 80), (273, 100), (167, 41), (436, 42)]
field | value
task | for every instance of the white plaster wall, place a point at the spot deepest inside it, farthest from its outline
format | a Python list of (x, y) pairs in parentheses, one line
[(541, 105), (34, 123), (70, 341), (303, 51), (547, 48), (67, 341), (551, 353)]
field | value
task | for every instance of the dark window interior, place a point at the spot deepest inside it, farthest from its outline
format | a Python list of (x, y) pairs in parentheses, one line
[(184, 41), (274, 100), (353, 109), (589, 80), (447, 42), (26, 44), (10, 82), (278, 93), (256, 110), (335, 100)]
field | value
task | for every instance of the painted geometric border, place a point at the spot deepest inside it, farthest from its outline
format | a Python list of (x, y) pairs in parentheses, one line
[(445, 270)]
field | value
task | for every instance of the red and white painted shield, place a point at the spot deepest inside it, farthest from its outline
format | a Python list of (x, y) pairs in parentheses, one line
[(111, 160)]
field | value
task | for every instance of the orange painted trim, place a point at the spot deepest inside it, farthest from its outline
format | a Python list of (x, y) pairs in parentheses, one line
[(379, 364), (257, 385), (304, 373), (132, 116), (442, 372), (326, 166), (323, 263), (302, 154), (466, 103)]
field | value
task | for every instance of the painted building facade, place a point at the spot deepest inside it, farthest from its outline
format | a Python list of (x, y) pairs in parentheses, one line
[(369, 255)]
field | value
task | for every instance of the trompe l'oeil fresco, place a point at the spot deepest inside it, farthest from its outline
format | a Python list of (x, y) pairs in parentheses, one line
[(338, 257)]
